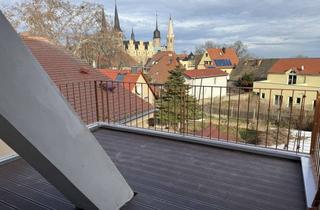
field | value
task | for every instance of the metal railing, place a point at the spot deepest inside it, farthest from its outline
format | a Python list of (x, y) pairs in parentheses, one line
[(280, 119), (315, 152)]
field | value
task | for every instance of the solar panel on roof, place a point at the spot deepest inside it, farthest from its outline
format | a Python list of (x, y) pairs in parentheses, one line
[(120, 77), (223, 62)]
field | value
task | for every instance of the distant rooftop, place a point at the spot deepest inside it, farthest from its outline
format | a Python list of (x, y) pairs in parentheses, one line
[(304, 66), (204, 73), (223, 54)]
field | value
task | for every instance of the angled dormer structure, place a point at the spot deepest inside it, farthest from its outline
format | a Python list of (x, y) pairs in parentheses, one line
[(38, 123)]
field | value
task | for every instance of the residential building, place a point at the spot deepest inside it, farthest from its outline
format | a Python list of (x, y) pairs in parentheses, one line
[(159, 66), (188, 62), (134, 82), (75, 80), (299, 74), (141, 50), (225, 59), (206, 83), (257, 68)]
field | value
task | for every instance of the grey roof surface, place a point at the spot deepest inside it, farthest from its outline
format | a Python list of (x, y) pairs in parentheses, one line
[(257, 67), (168, 175)]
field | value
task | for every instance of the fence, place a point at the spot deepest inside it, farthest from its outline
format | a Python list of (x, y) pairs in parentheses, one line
[(280, 119), (315, 151)]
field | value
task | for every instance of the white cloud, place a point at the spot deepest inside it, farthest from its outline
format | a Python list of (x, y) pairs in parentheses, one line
[(269, 28)]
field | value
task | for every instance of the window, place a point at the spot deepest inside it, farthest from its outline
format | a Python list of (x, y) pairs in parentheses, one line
[(298, 100), (290, 101), (278, 100), (263, 95), (207, 55), (292, 78)]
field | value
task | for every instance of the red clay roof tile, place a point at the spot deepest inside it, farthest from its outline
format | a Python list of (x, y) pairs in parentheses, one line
[(229, 53), (76, 81), (160, 65), (304, 66), (204, 73)]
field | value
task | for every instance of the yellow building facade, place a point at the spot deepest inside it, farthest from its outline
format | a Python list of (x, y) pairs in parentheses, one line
[(296, 86), (140, 50), (224, 59)]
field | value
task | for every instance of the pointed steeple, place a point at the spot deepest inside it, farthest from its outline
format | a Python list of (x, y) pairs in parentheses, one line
[(156, 21), (156, 33), (170, 36), (170, 28), (132, 35), (103, 21), (116, 19)]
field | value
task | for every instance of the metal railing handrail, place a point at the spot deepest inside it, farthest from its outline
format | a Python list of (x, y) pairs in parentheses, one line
[(233, 114)]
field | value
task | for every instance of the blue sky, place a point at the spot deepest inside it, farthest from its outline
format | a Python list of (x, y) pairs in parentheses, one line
[(270, 28)]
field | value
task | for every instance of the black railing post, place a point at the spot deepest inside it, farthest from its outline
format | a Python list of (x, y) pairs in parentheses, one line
[(96, 98)]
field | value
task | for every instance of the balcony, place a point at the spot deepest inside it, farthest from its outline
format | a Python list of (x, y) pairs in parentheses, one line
[(172, 174), (237, 151)]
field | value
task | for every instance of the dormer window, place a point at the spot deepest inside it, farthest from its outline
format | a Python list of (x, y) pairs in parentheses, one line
[(292, 78)]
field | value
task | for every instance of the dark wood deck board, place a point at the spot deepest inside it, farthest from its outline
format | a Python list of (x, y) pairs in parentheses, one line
[(169, 174)]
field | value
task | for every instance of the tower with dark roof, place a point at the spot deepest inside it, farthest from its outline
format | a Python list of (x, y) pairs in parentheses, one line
[(132, 35), (103, 21), (116, 27), (139, 50), (157, 36)]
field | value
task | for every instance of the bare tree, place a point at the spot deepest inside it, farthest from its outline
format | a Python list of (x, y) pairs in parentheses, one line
[(240, 48), (200, 49), (82, 28)]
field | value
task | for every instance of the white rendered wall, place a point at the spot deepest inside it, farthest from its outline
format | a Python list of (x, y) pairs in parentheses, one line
[(208, 85)]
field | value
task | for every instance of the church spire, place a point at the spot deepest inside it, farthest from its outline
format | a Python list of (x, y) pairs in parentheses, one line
[(156, 33), (116, 19), (132, 35), (157, 21), (170, 36), (103, 21)]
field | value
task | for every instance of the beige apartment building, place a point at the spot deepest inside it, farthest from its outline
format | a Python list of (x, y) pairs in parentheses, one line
[(293, 82)]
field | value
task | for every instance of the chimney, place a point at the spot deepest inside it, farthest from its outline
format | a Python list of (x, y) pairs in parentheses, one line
[(223, 50), (302, 68)]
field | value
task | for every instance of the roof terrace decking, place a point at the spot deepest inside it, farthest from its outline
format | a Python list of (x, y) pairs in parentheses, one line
[(168, 174)]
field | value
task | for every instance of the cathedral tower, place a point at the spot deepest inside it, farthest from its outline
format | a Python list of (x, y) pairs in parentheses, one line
[(132, 35), (157, 36), (116, 26), (170, 36)]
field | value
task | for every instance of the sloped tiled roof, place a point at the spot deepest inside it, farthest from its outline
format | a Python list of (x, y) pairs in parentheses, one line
[(182, 56), (304, 66), (204, 73), (60, 64), (76, 81), (258, 68), (160, 65), (129, 79), (227, 53)]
